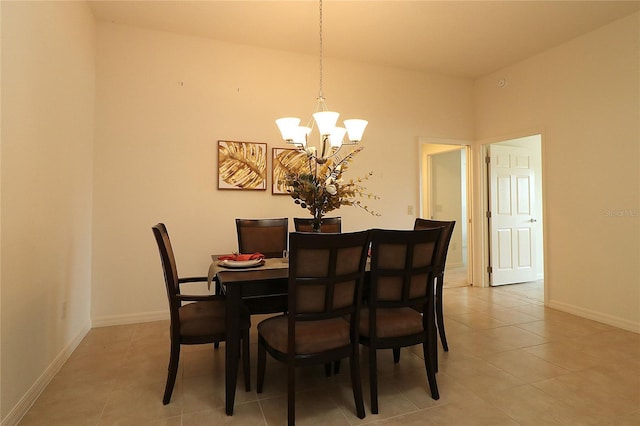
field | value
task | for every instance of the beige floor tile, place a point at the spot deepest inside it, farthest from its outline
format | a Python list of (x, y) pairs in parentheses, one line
[(453, 327), (143, 400), (100, 366), (511, 316), (628, 420), (205, 392), (537, 311), (108, 335), (312, 408), (478, 320), (612, 345), (550, 330), (511, 362), (77, 412), (598, 392), (497, 301), (415, 418), (139, 421), (391, 403), (479, 343), (480, 376), (410, 358), (203, 362), (88, 393), (463, 305), (528, 405), (525, 366), (513, 336), (248, 414), (564, 354), (455, 358), (414, 386), (472, 412)]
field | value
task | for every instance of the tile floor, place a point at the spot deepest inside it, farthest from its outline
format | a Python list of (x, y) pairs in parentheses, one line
[(511, 362)]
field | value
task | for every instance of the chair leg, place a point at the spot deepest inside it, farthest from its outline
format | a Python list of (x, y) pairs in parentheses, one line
[(262, 364), (174, 359), (336, 367), (327, 369), (439, 314), (291, 393), (245, 361), (429, 318), (373, 380), (396, 355), (216, 345), (356, 382), (431, 372)]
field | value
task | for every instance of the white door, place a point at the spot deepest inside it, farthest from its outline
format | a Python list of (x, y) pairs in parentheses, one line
[(511, 215)]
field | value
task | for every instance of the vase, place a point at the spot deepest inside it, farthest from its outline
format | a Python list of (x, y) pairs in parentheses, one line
[(316, 222)]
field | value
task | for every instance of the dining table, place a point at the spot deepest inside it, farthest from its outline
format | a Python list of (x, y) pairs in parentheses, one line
[(254, 286), (249, 285)]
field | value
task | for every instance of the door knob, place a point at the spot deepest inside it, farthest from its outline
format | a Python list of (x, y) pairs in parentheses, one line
[(532, 220)]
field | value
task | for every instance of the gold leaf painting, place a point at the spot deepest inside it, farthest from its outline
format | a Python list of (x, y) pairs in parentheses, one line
[(242, 165), (286, 161)]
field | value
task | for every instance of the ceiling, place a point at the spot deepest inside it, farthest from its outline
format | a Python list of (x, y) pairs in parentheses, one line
[(460, 38)]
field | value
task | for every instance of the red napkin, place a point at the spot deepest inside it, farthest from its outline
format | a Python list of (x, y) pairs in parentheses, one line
[(241, 257)]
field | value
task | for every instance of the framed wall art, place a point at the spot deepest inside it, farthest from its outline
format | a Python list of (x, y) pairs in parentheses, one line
[(242, 165), (285, 161)]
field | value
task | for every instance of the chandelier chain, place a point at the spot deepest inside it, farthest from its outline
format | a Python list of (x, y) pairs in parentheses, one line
[(321, 97)]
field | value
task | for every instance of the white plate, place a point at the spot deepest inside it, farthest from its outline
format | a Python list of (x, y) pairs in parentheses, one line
[(241, 263)]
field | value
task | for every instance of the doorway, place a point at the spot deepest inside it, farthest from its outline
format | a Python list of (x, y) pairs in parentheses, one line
[(445, 196), (514, 211)]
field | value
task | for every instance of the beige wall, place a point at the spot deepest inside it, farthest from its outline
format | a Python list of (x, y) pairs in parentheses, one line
[(76, 218), (584, 98), (164, 100), (48, 77)]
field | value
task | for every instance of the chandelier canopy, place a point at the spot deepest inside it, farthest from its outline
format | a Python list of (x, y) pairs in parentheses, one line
[(331, 135)]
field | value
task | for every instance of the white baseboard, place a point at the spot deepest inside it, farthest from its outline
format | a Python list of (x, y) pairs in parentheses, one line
[(27, 400), (110, 320), (596, 316)]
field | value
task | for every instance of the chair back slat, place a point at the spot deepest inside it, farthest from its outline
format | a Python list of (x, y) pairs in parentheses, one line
[(266, 236), (402, 264), (326, 273), (443, 244)]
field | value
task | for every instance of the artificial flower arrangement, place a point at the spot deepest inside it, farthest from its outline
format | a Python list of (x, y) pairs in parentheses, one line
[(317, 185)]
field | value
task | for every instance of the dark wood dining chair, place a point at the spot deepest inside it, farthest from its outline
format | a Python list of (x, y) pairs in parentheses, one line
[(329, 224), (401, 277), (269, 237), (326, 275), (439, 266), (202, 320), (266, 236)]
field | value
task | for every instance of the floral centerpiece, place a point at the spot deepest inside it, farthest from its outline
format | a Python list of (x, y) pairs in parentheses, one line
[(317, 185)]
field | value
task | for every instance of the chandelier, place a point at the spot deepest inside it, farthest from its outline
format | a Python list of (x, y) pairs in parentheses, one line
[(331, 136)]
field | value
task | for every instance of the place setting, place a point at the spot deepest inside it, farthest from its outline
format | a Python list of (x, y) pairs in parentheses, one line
[(241, 261)]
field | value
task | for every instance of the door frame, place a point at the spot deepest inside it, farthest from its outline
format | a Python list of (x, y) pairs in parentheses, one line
[(424, 184)]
